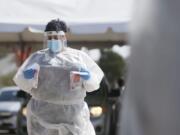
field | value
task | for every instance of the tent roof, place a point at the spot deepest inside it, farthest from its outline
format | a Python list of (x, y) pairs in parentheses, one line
[(88, 20)]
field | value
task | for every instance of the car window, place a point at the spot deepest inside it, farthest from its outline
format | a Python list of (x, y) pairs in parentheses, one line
[(10, 95)]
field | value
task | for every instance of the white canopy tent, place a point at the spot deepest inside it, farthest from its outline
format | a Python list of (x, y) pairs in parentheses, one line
[(91, 22)]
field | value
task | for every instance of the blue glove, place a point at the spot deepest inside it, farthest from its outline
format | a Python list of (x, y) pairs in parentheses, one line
[(87, 76), (29, 73)]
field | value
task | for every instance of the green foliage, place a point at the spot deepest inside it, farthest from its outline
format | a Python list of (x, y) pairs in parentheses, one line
[(113, 65)]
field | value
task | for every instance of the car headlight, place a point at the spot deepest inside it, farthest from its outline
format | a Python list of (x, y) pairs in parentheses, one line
[(96, 111), (24, 111)]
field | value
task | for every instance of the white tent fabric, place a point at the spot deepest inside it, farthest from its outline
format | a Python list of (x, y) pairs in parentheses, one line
[(102, 20)]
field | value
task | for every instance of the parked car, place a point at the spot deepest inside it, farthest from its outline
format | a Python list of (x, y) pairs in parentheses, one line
[(12, 110)]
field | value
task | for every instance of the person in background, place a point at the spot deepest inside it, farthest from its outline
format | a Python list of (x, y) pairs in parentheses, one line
[(58, 78)]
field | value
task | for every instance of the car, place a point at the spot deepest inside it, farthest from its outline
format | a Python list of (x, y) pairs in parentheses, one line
[(104, 108), (12, 110)]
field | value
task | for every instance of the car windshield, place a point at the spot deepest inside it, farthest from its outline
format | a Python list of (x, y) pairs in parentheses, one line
[(10, 95)]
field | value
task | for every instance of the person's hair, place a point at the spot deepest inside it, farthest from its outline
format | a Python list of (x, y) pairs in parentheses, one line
[(56, 25)]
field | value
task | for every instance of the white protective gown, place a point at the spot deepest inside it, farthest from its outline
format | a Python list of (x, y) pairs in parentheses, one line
[(57, 108)]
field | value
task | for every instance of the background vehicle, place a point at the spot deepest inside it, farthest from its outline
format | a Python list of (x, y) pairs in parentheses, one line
[(104, 107), (12, 110)]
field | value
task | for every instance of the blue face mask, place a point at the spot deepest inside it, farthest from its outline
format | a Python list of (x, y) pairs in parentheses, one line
[(54, 45)]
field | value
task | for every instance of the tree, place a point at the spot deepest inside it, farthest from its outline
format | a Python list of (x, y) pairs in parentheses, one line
[(113, 66)]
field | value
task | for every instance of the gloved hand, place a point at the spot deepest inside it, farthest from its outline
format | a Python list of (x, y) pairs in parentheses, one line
[(29, 73), (85, 76)]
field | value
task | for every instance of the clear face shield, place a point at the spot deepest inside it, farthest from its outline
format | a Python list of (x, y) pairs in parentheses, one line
[(55, 41)]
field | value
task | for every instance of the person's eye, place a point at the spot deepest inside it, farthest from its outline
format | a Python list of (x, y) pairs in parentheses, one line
[(63, 37), (49, 38)]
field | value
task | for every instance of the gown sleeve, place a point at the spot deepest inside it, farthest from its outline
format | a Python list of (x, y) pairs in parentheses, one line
[(96, 74), (19, 79)]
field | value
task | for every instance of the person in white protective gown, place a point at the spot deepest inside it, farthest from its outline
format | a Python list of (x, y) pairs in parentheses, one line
[(58, 78)]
